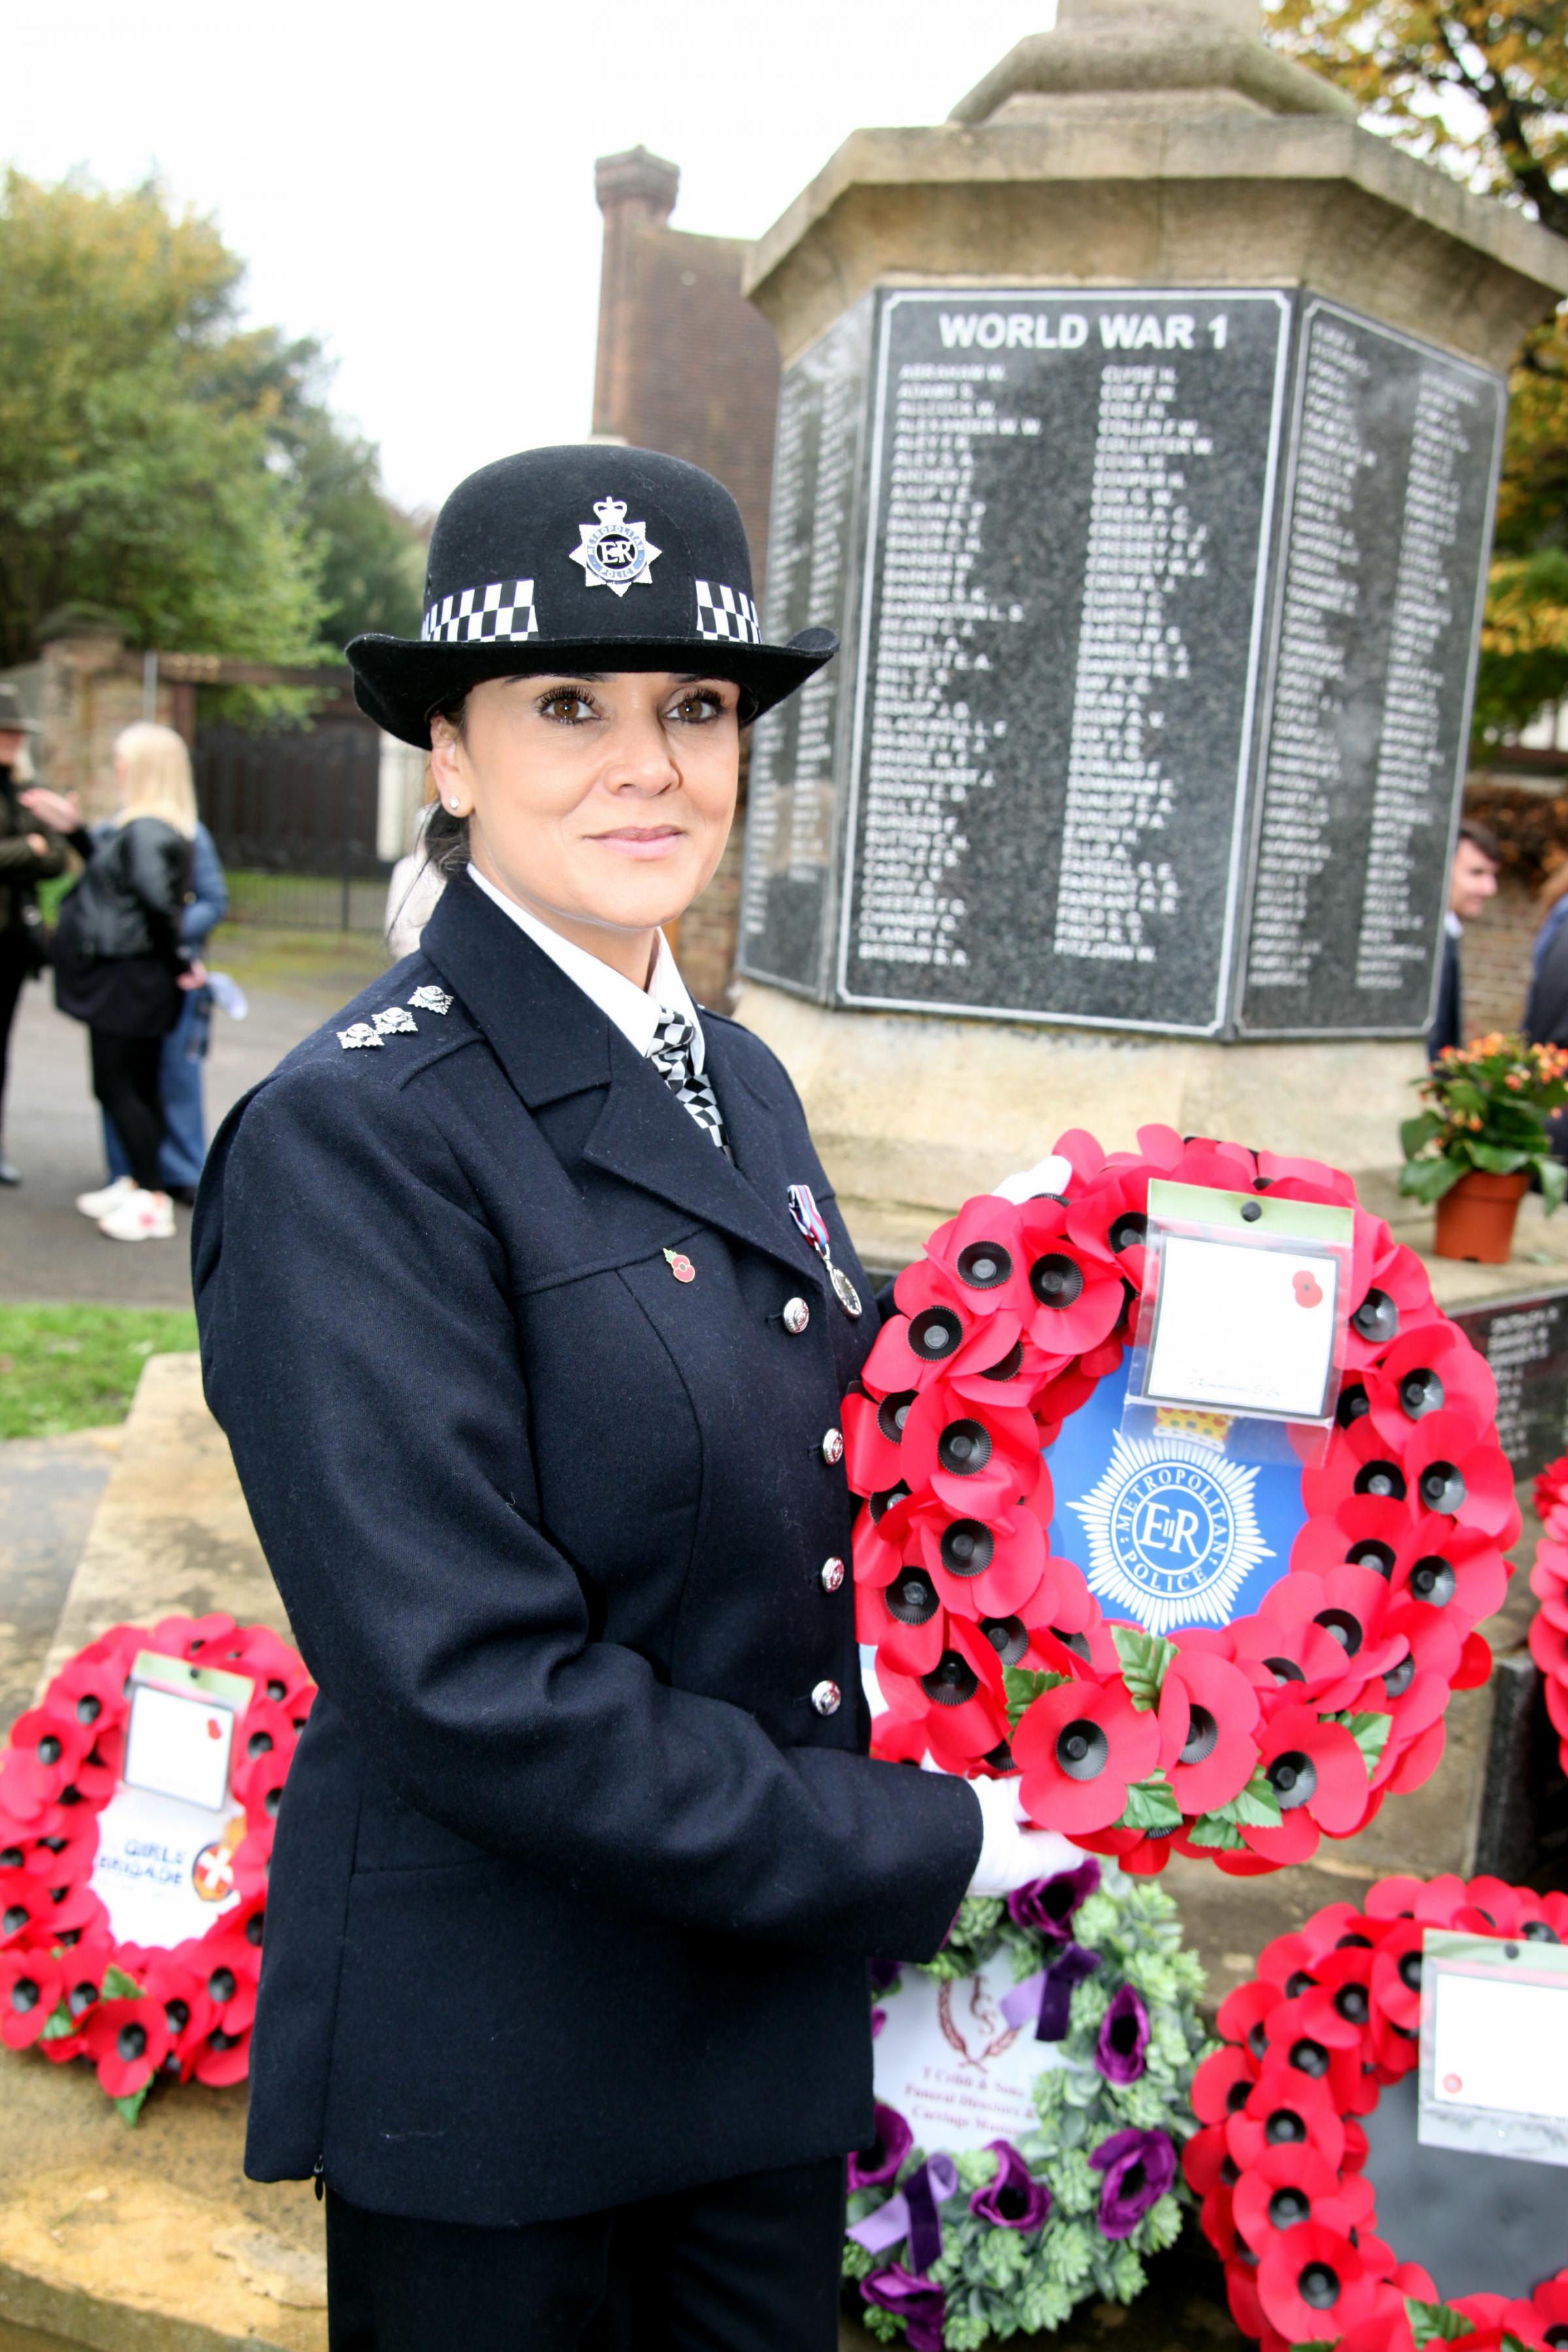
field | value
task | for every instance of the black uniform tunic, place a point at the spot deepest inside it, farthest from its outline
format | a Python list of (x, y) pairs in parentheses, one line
[(574, 1885)]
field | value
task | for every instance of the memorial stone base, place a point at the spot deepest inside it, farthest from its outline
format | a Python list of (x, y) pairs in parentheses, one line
[(912, 1115)]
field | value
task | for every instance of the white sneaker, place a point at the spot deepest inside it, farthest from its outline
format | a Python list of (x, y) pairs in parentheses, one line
[(139, 1217), (109, 1196)]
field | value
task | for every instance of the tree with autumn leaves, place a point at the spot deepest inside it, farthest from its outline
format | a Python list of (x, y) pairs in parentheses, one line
[(1482, 92)]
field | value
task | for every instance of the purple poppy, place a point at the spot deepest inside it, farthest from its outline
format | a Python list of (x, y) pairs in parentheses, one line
[(884, 1974), (1139, 2169), (870, 2167), (921, 2306), (1123, 2043), (1047, 1904), (1015, 2200)]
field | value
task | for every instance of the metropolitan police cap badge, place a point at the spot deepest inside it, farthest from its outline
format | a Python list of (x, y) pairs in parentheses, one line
[(613, 552)]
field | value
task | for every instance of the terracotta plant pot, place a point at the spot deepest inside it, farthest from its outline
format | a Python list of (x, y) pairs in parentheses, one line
[(1475, 1219)]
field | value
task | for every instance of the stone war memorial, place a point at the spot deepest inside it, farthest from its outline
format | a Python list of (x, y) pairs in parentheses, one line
[(1139, 434)]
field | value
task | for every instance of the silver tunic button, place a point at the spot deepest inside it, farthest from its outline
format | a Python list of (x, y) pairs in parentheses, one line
[(830, 1575), (827, 1698), (833, 1448), (796, 1315)]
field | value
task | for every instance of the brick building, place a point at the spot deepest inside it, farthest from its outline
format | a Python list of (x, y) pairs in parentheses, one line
[(686, 365)]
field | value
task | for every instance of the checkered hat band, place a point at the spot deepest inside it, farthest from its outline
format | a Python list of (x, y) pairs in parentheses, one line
[(727, 613), (503, 612)]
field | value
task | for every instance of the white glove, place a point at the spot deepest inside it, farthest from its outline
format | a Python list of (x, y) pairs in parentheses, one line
[(1014, 1851), (1052, 1174)]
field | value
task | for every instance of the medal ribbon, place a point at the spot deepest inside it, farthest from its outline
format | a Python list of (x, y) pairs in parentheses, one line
[(809, 1218)]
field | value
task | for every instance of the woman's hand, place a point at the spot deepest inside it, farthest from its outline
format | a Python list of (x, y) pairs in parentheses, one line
[(62, 810), (196, 977), (38, 845), (1014, 1852)]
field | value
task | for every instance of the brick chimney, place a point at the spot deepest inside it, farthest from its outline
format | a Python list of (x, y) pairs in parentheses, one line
[(636, 192)]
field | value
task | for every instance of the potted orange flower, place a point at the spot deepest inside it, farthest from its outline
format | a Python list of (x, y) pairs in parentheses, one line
[(1481, 1140)]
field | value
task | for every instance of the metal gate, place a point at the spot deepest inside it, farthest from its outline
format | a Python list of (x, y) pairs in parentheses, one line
[(293, 813)]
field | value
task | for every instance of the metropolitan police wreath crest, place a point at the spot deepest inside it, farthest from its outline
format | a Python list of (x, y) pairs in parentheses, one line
[(1179, 1644), (614, 553), (1173, 1530)]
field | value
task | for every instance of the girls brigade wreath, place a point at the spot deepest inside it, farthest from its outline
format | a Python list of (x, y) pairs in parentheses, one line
[(101, 1849), (1330, 2022), (1174, 1647), (1033, 2093)]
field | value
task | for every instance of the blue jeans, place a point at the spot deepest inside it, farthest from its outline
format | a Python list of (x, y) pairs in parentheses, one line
[(180, 1085)]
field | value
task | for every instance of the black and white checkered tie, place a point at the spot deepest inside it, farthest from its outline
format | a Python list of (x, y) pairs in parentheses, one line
[(671, 1054)]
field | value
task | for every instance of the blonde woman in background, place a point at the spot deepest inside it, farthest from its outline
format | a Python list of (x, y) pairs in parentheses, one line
[(121, 965)]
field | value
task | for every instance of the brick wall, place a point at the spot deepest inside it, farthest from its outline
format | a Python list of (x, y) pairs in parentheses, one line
[(685, 364)]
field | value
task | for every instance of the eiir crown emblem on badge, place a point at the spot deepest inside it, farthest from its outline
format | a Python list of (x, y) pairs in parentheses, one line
[(614, 553), (1172, 1532)]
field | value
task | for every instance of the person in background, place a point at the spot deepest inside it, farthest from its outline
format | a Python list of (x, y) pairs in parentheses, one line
[(184, 1048), (1473, 880), (30, 855), (1546, 1006), (121, 966)]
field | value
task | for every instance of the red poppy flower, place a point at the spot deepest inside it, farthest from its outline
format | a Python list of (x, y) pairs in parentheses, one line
[(1223, 2083), (981, 1258), (1310, 2037), (89, 1691), (1287, 2186), (177, 1982), (1076, 1295), (68, 1860), (226, 1967), (1359, 1462), (975, 1463), (873, 1437), (24, 1908), (127, 2041), (1243, 2018), (279, 1673), (31, 1989), (1552, 1486), (1288, 1661), (1229, 1167), (1397, 1301), (47, 1752), (264, 1743), (1350, 1605), (1311, 2281), (1286, 2108), (1078, 1748), (190, 1637), (898, 1739), (224, 2058), (986, 1567), (1208, 1715), (1367, 1531), (1204, 2163), (937, 1334), (83, 1971), (905, 1619), (1459, 1475), (1433, 1369), (1316, 1771), (1451, 1570), (1548, 2306), (1110, 1219)]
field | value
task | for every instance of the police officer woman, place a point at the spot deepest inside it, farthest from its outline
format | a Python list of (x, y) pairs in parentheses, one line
[(512, 1309)]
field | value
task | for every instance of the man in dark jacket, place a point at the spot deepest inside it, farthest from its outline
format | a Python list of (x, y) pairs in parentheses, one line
[(1473, 880), (28, 854)]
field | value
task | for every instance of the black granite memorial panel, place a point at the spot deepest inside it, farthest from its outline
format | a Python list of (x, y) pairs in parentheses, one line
[(798, 751), (1525, 1341), (1070, 498), (1394, 449)]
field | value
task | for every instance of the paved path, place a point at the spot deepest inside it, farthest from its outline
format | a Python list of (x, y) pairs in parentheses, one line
[(49, 1488), (47, 1250)]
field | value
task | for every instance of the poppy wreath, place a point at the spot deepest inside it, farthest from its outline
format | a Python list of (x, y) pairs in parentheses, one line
[(1332, 2017), (1247, 1743), (1548, 1582), (1009, 2238), (67, 1986)]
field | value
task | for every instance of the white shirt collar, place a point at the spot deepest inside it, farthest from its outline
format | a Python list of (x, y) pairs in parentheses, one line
[(1453, 926), (635, 1011)]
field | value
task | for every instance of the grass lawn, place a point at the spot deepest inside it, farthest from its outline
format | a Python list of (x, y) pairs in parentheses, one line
[(64, 1368)]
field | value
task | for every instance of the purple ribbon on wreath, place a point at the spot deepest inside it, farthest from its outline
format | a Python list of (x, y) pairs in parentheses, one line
[(912, 2214), (1046, 1996)]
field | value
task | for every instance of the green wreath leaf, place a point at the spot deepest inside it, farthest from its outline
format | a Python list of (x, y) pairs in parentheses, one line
[(1152, 1805), (1145, 1658), (1022, 1686)]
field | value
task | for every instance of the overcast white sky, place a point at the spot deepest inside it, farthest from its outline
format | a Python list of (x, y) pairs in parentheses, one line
[(416, 185)]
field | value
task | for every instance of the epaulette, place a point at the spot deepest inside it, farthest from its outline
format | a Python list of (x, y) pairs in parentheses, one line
[(407, 1010)]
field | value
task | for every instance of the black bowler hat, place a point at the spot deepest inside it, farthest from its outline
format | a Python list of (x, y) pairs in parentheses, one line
[(588, 557)]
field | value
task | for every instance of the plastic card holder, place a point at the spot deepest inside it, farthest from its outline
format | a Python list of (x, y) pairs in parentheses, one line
[(1242, 1324), (1494, 2046), (180, 1735)]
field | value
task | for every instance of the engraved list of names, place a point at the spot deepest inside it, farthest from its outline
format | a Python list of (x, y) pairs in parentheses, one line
[(1394, 449), (1063, 610)]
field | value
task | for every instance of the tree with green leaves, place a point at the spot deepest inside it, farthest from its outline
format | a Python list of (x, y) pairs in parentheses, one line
[(164, 464), (1482, 92)]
